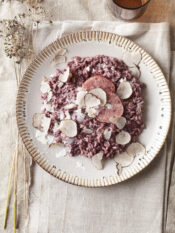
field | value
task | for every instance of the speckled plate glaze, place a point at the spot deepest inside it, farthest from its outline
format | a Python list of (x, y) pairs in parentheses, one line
[(79, 170)]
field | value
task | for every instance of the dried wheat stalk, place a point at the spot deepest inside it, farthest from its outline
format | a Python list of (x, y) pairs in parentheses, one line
[(8, 190), (15, 184), (25, 180)]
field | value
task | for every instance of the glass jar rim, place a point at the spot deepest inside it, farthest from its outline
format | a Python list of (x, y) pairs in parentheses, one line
[(127, 8)]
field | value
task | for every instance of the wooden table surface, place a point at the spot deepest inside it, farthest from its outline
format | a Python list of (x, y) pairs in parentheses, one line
[(158, 11), (161, 11)]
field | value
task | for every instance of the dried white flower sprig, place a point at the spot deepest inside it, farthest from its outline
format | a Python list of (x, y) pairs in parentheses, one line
[(16, 42), (38, 14), (17, 33)]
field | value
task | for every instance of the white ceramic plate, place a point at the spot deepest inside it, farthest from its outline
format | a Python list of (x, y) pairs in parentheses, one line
[(79, 170)]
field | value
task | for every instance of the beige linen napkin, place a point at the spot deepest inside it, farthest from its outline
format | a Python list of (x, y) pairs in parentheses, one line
[(134, 206), (170, 226)]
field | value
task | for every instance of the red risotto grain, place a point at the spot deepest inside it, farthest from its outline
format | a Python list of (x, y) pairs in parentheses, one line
[(86, 144)]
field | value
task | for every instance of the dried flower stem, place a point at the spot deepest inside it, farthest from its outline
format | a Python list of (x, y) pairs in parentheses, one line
[(8, 190), (34, 35), (25, 180), (16, 76), (15, 184), (13, 167)]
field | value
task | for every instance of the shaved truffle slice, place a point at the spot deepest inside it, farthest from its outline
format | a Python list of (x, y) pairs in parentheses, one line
[(80, 98), (124, 90), (68, 127), (118, 121), (116, 109), (99, 82), (61, 51), (123, 138), (46, 124), (123, 159), (37, 121), (137, 57), (58, 60), (132, 58), (119, 169), (135, 71), (127, 58), (91, 101), (97, 161), (136, 149), (100, 94), (41, 122)]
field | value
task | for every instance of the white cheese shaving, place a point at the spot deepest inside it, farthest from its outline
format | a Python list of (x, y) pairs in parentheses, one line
[(79, 115), (50, 139), (41, 137), (70, 106), (60, 84), (61, 150), (88, 68), (107, 133), (56, 127), (92, 112), (65, 76), (68, 117), (108, 106), (49, 96), (44, 88), (61, 115)]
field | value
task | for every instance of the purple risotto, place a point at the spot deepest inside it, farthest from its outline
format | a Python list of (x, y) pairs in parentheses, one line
[(94, 105)]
